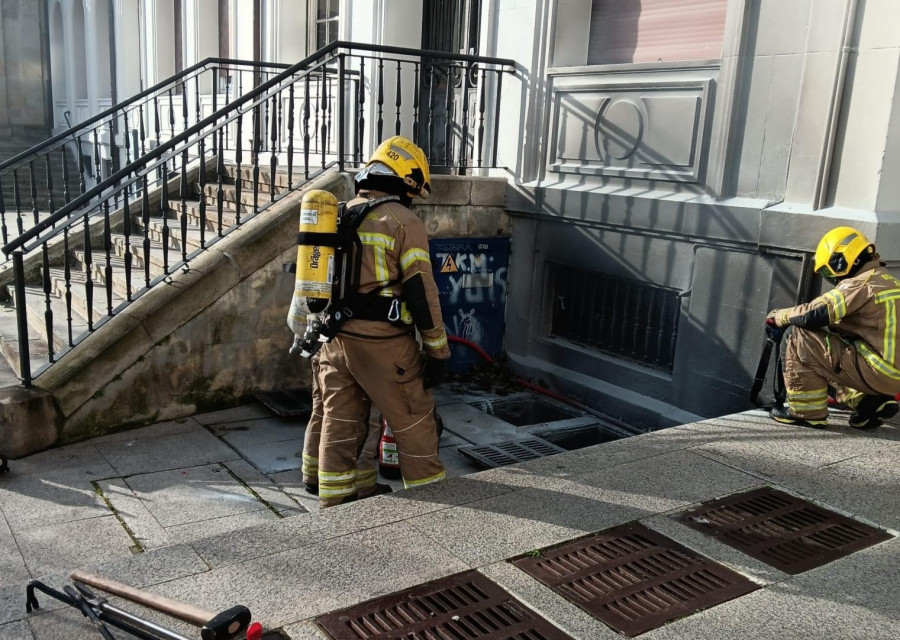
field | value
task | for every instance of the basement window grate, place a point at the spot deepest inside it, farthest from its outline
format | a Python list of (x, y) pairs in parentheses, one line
[(511, 452), (466, 606), (634, 579), (626, 318), (783, 531), (287, 402)]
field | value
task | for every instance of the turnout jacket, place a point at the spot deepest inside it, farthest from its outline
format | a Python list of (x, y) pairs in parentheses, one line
[(395, 249), (863, 310)]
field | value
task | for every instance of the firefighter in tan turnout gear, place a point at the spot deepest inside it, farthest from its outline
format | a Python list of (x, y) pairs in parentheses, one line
[(374, 354), (846, 338)]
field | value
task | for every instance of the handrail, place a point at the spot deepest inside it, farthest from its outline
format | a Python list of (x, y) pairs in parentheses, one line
[(170, 144), (120, 106)]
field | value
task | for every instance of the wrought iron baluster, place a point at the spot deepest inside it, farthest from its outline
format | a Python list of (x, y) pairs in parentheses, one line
[(328, 115), (18, 200), (215, 106), (67, 278), (323, 103), (65, 168), (464, 139), (126, 256), (379, 101), (255, 158), (166, 232), (273, 156), (81, 169), (145, 222), (415, 126), (431, 97), (114, 151), (97, 167), (361, 110), (171, 126), (264, 126), (33, 185), (107, 248), (141, 129), (48, 309), (290, 135), (201, 181), (238, 175), (306, 136), (3, 230), (280, 107), (398, 100), (183, 193), (342, 113), (21, 317), (220, 180), (127, 159), (88, 273), (50, 206), (317, 108), (197, 97), (481, 105), (497, 118), (448, 115)]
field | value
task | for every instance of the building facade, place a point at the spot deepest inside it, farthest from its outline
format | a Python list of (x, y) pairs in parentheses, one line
[(671, 162)]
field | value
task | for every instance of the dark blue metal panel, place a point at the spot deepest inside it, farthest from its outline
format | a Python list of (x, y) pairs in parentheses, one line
[(471, 276)]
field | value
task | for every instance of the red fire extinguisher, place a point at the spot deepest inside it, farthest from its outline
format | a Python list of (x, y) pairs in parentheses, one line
[(388, 455)]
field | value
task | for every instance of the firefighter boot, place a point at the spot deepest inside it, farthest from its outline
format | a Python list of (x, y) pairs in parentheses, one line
[(782, 414), (872, 411)]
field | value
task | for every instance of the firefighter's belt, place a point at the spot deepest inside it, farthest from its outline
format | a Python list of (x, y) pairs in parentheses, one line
[(369, 307)]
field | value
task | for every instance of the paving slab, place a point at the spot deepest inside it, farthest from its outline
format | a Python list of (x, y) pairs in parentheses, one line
[(193, 495), (191, 448), (305, 631), (563, 614), (854, 598), (12, 602), (272, 457), (12, 564), (146, 530), (63, 547), (82, 458), (50, 498), (168, 428), (18, 630), (250, 411), (266, 490), (260, 431), (290, 587)]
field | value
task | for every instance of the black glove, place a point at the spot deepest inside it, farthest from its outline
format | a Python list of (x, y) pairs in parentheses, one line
[(773, 331), (435, 372)]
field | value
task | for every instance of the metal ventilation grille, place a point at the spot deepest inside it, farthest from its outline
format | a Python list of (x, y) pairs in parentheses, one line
[(287, 402), (788, 533), (627, 318), (635, 579), (466, 606), (511, 452)]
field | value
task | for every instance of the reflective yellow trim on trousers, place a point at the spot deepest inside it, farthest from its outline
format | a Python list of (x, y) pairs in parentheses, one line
[(366, 479), (875, 361), (888, 299), (815, 393), (415, 483), (838, 305), (337, 476), (436, 344), (310, 465), (412, 255), (325, 492)]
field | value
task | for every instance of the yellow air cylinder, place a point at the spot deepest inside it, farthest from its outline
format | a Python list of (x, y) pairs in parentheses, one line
[(315, 257)]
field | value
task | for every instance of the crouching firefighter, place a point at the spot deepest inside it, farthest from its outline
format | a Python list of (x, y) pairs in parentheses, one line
[(382, 291), (846, 338)]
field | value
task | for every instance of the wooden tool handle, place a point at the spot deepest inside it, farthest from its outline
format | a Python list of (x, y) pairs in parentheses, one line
[(186, 612)]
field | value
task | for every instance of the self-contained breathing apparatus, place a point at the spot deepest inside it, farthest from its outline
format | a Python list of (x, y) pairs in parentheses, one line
[(329, 263)]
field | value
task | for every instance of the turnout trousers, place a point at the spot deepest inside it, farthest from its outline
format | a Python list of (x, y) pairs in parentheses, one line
[(367, 461), (816, 358), (352, 370)]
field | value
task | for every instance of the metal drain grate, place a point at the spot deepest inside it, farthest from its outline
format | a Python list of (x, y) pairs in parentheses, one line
[(511, 452), (466, 606), (788, 533), (635, 579), (287, 402)]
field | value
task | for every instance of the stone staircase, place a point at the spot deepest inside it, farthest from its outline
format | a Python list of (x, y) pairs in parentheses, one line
[(107, 283), (12, 146)]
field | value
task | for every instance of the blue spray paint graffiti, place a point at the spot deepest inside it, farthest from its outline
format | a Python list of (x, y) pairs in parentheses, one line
[(471, 275)]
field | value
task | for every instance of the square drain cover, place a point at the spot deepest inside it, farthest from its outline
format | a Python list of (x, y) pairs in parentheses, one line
[(783, 531), (466, 606), (635, 579), (511, 452)]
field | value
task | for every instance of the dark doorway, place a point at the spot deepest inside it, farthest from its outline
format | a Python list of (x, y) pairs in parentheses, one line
[(447, 89)]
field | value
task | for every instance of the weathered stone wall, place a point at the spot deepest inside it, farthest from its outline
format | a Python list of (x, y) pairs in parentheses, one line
[(210, 336)]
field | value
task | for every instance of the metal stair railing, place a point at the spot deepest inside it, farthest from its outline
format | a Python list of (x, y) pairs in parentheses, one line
[(270, 141), (117, 137)]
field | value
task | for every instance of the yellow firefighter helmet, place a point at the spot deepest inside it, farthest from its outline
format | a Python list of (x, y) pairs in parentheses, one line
[(840, 251), (406, 160)]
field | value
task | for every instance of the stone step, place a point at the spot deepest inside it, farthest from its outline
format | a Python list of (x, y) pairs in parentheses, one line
[(77, 290), (36, 307), (9, 348), (155, 231), (98, 275), (246, 174), (192, 208)]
